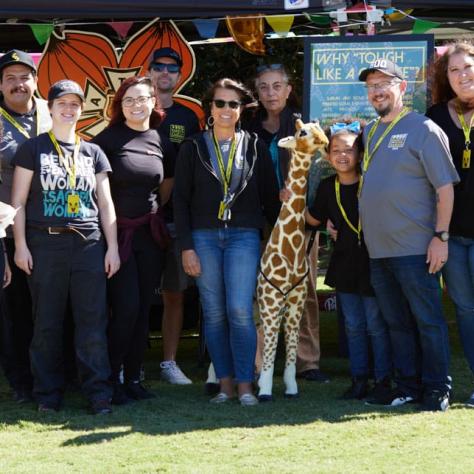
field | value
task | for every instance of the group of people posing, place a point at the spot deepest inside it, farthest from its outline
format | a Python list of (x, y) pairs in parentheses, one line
[(95, 233)]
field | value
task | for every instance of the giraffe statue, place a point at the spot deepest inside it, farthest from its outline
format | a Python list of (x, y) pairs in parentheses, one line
[(282, 282)]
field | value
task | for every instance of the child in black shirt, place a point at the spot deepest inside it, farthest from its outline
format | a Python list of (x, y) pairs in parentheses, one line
[(336, 199)]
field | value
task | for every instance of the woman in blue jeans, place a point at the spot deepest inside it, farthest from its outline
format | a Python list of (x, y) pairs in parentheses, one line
[(453, 111), (224, 186)]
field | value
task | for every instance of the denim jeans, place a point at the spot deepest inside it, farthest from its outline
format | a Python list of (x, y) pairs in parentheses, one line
[(458, 274), (229, 262), (363, 319), (410, 300)]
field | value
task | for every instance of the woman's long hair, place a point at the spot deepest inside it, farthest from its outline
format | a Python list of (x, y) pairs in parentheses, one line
[(157, 114), (441, 90)]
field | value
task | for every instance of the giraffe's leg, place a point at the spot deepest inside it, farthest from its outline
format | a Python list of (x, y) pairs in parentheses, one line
[(270, 302), (296, 301)]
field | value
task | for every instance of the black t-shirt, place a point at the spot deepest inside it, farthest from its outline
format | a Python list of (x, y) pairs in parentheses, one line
[(462, 220), (180, 122), (140, 161), (348, 269), (51, 201)]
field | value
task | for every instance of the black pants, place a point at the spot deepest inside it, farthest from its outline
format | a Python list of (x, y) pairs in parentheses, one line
[(130, 297), (17, 326), (66, 265)]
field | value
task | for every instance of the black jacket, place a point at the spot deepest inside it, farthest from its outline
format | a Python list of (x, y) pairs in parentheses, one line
[(198, 192)]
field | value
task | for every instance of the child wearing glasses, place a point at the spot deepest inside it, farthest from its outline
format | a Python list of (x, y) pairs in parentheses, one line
[(348, 271)]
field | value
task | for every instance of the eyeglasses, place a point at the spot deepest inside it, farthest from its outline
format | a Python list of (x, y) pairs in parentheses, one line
[(220, 104), (381, 86), (161, 67), (269, 67), (130, 101)]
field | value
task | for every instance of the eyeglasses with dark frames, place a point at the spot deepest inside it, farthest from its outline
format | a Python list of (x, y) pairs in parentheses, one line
[(220, 104), (130, 101)]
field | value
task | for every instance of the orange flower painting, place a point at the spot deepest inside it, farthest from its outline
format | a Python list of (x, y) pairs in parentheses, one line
[(92, 61)]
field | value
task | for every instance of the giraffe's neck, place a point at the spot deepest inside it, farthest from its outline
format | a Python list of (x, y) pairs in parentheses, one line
[(297, 180)]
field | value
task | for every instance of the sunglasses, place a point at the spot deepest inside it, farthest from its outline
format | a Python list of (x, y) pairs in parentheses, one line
[(161, 67), (269, 67), (220, 104)]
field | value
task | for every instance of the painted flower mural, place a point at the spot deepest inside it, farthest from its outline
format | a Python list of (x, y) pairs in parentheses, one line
[(92, 61)]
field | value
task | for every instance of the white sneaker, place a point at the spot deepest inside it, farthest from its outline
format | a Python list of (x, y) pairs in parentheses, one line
[(171, 373)]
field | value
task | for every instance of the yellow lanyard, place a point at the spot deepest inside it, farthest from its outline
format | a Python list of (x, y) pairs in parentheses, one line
[(466, 154), (7, 116), (368, 156), (69, 162), (226, 174), (337, 186)]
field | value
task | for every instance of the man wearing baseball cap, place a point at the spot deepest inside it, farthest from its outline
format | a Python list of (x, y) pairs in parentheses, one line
[(23, 116), (405, 205), (180, 122)]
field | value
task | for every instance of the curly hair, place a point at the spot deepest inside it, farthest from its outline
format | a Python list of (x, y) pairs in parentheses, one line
[(441, 90), (245, 96), (157, 114)]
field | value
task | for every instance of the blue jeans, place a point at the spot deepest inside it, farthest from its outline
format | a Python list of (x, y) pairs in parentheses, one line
[(459, 276), (363, 319), (410, 300), (229, 262)]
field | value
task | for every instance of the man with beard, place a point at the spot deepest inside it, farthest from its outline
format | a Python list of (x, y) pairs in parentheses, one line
[(23, 117), (405, 203), (180, 122)]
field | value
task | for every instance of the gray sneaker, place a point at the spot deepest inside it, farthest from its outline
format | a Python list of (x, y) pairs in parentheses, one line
[(171, 373)]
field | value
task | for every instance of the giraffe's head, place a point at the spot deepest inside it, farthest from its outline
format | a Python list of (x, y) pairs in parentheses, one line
[(308, 138)]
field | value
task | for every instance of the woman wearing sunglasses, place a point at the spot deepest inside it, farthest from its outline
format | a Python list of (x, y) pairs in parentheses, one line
[(142, 161), (61, 189), (225, 185)]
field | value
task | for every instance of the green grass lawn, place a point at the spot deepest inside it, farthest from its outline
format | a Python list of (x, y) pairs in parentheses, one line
[(180, 431)]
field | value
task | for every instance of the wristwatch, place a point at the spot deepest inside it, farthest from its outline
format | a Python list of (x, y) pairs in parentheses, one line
[(442, 235)]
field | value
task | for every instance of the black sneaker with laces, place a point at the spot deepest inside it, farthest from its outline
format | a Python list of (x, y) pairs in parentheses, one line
[(119, 397), (313, 375), (390, 398), (381, 388), (435, 400), (100, 407), (137, 391), (48, 407), (22, 395), (358, 389)]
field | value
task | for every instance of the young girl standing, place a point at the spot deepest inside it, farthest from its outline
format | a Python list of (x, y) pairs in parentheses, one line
[(348, 271)]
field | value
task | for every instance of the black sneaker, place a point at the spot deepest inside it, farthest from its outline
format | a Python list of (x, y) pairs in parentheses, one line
[(119, 397), (313, 375), (22, 395), (435, 400), (358, 389), (390, 398), (48, 407), (101, 407), (381, 389), (137, 391)]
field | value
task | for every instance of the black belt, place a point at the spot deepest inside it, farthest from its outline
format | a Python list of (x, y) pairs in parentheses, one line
[(53, 230)]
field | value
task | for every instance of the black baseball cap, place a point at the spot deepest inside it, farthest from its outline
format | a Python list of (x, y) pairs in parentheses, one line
[(167, 53), (15, 56), (383, 65), (63, 87)]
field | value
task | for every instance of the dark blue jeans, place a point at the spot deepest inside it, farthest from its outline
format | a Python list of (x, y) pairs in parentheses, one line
[(229, 262), (459, 276), (410, 300), (66, 265), (363, 319)]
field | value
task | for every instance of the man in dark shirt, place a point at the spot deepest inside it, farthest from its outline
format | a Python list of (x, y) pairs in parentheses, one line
[(23, 117), (180, 122)]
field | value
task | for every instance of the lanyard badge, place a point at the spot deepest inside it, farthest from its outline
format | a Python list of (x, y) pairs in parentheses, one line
[(466, 153)]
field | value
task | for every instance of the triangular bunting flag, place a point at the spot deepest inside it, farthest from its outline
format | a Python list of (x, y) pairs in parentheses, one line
[(121, 27), (422, 26), (206, 28), (281, 24), (320, 20), (42, 31)]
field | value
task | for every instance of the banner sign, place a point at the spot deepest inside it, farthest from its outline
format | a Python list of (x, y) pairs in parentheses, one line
[(332, 65)]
